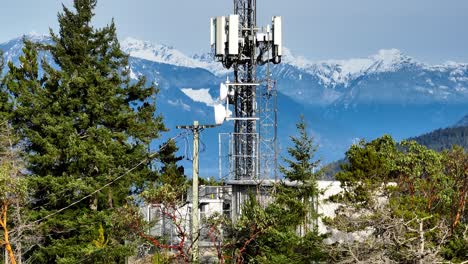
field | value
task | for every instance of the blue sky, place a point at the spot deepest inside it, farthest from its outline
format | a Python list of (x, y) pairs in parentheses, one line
[(432, 31)]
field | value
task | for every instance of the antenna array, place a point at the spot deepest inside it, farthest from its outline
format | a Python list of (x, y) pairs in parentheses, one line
[(239, 44)]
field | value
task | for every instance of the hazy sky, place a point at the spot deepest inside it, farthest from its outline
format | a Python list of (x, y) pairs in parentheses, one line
[(432, 31)]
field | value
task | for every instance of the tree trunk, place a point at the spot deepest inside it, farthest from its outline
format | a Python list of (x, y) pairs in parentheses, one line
[(421, 238), (460, 208), (110, 198), (3, 223), (94, 203), (19, 253)]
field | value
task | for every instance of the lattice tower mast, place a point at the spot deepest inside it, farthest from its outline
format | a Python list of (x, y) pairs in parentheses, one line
[(245, 166), (241, 45)]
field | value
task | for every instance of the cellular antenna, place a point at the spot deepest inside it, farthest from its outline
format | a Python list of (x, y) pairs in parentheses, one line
[(239, 44)]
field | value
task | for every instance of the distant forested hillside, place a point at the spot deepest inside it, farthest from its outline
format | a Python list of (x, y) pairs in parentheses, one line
[(463, 122), (442, 139)]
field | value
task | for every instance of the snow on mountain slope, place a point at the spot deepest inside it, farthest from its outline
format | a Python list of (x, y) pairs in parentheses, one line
[(389, 76), (13, 48), (165, 54), (335, 72), (406, 97), (341, 72), (199, 95), (386, 77)]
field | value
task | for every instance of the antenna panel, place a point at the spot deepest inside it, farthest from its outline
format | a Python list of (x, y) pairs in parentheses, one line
[(223, 91), (220, 114), (212, 31), (233, 35), (277, 36), (220, 36)]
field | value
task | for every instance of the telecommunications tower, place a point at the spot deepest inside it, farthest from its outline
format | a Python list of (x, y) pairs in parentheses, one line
[(239, 44)]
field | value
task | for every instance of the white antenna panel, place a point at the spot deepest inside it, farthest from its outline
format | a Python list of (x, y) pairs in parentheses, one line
[(278, 35), (220, 114), (223, 91), (212, 31), (220, 35), (233, 35)]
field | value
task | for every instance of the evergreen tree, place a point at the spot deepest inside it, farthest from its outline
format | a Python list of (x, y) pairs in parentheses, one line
[(295, 238), (84, 123), (171, 172), (300, 171), (284, 232)]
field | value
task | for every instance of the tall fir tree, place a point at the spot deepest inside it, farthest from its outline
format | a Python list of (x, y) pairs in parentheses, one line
[(84, 122), (284, 231), (171, 172), (300, 170), (295, 205)]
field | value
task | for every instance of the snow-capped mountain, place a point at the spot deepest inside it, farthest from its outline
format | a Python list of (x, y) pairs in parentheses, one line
[(165, 54), (341, 72), (342, 100), (386, 77), (12, 49)]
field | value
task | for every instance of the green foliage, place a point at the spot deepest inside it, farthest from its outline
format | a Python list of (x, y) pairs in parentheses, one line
[(456, 250), (13, 186), (301, 166), (423, 186), (170, 172), (300, 173), (167, 193), (161, 258), (211, 181), (284, 231), (83, 122), (171, 185), (270, 235), (412, 199), (101, 241), (370, 165), (252, 224), (438, 140)]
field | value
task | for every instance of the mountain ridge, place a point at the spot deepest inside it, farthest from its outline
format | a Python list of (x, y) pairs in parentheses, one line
[(337, 83), (463, 122), (370, 106)]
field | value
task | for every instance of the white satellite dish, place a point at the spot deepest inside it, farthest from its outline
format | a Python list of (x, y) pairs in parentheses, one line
[(220, 114), (223, 91)]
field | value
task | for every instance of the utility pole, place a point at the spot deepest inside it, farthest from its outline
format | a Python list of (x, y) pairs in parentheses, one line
[(196, 129)]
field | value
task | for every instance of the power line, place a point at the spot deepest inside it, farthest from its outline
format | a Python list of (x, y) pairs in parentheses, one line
[(150, 157)]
